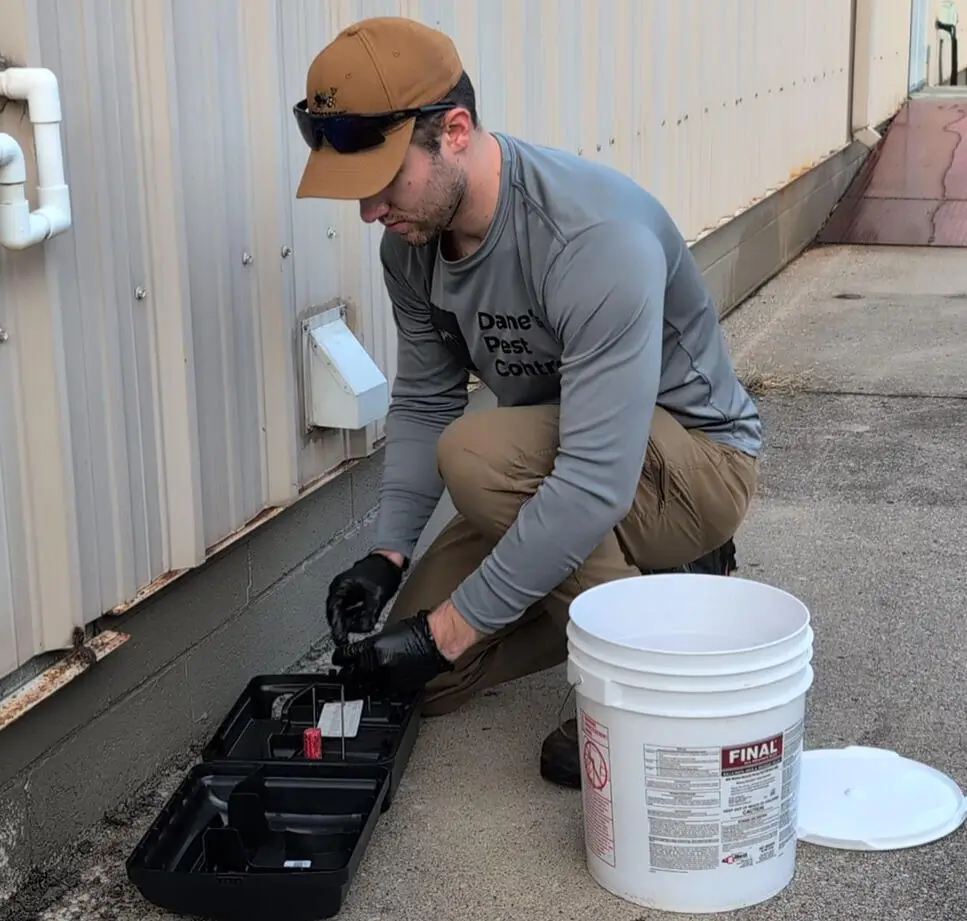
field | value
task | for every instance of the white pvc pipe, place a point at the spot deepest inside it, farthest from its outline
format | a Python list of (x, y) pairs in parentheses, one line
[(19, 227), (12, 166)]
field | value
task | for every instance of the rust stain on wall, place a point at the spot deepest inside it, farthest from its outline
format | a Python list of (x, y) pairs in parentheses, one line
[(151, 588), (57, 676)]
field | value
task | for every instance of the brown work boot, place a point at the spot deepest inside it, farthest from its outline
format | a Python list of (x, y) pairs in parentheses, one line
[(720, 562), (560, 753)]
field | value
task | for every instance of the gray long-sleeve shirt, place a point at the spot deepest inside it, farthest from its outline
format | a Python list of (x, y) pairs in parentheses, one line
[(584, 294)]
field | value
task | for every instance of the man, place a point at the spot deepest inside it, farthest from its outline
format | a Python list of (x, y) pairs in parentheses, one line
[(623, 442)]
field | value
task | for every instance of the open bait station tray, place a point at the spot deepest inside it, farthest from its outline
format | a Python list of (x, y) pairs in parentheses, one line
[(273, 822), (269, 719), (239, 842)]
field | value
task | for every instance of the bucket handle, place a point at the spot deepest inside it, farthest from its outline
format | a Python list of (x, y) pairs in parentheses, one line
[(560, 713)]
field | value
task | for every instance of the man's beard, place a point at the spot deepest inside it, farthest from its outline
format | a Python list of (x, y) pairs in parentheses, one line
[(444, 195)]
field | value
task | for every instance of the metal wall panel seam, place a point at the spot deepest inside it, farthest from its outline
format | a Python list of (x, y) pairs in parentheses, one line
[(48, 513), (272, 250), (51, 520), (119, 185), (169, 305), (17, 630), (11, 645), (203, 83), (890, 60), (74, 46), (622, 138)]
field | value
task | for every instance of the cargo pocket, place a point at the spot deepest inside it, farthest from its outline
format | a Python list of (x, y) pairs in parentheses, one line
[(656, 475)]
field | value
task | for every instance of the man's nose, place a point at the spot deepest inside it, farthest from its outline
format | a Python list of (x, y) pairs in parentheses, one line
[(372, 209)]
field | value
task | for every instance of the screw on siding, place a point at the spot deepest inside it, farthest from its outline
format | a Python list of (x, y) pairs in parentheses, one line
[(140, 293), (331, 233), (286, 251), (247, 259), (4, 335)]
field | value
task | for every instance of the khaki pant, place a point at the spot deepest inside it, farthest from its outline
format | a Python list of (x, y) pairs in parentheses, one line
[(692, 496)]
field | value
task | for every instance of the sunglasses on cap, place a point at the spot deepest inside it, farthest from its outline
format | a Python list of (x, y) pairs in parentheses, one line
[(348, 133)]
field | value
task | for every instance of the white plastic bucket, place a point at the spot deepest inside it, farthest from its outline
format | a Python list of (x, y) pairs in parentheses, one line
[(691, 693)]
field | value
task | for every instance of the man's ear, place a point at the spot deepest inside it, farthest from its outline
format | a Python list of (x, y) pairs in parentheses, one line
[(458, 129)]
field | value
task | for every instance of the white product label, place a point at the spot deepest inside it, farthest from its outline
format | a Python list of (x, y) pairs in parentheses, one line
[(298, 865), (722, 807), (596, 786), (337, 720)]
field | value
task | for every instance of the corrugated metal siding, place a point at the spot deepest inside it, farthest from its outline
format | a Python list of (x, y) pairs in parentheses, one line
[(152, 379), (108, 358), (40, 583), (16, 605), (662, 91), (890, 63), (210, 100)]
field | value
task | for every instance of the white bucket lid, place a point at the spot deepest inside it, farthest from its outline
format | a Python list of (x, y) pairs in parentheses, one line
[(869, 799)]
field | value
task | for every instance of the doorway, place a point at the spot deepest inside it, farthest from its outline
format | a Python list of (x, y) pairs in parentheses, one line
[(919, 44)]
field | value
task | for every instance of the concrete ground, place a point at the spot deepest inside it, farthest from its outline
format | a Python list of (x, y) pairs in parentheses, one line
[(862, 513)]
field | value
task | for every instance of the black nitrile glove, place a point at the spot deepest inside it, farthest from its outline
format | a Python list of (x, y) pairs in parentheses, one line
[(358, 595), (403, 657)]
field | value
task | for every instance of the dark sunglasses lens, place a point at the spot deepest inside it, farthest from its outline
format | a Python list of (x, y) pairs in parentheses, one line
[(307, 128), (351, 135), (344, 133)]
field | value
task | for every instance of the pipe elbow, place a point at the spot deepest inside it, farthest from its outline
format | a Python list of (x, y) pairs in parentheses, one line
[(38, 87), (13, 165), (58, 218), (19, 228)]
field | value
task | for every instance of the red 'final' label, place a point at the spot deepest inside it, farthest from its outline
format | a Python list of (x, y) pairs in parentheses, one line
[(756, 754)]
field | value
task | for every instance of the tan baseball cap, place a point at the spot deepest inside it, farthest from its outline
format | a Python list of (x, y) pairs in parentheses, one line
[(379, 65)]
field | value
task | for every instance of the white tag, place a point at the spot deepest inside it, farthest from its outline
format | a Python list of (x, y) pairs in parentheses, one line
[(298, 865), (337, 720)]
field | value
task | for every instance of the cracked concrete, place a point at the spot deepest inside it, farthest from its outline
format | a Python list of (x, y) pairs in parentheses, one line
[(861, 514), (912, 190)]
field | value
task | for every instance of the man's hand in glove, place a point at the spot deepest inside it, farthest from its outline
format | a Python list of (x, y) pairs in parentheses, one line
[(358, 595), (406, 655)]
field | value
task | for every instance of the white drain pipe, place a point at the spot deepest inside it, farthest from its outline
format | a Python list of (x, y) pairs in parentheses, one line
[(19, 226)]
